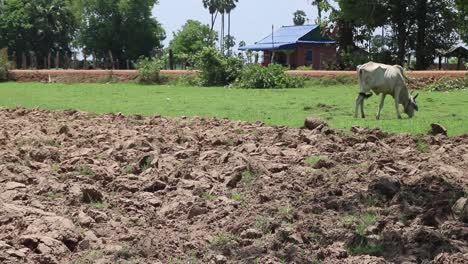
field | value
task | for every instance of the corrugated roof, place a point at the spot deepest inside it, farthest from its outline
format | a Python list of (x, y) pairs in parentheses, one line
[(285, 38)]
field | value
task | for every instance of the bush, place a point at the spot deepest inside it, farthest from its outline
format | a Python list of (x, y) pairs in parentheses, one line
[(148, 71), (304, 68), (449, 84), (217, 69), (337, 80), (273, 76), (4, 65)]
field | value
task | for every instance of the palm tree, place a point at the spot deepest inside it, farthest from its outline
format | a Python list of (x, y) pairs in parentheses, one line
[(299, 18), (230, 5), (322, 5), (213, 8)]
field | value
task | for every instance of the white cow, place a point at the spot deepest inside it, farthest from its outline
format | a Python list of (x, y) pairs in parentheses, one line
[(386, 80)]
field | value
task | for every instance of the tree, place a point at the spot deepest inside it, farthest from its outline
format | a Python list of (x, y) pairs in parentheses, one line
[(230, 5), (213, 9), (462, 7), (41, 27), (222, 7), (299, 18), (120, 29), (190, 40), (322, 5)]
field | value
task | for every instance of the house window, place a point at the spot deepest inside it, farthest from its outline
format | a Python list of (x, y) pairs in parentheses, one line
[(309, 57)]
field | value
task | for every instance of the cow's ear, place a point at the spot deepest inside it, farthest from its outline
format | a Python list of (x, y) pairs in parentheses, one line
[(416, 96)]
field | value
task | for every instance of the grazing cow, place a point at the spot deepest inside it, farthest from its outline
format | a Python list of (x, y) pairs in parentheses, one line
[(386, 80)]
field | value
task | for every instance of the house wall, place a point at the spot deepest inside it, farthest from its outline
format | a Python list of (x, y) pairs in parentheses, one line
[(322, 54)]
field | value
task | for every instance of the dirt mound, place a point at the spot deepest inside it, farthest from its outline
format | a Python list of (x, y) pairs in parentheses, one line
[(80, 187)]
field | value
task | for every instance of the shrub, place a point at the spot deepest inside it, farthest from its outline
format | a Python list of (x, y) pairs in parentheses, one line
[(4, 65), (449, 84), (273, 76), (148, 71), (337, 80), (217, 69), (304, 68)]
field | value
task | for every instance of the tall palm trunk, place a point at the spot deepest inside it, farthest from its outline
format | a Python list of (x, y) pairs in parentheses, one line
[(229, 32), (222, 33)]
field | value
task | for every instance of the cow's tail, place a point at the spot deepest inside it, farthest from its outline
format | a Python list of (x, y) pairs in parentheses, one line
[(403, 73)]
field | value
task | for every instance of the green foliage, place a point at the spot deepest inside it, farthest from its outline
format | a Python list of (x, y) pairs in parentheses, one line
[(190, 40), (125, 28), (208, 196), (422, 146), (4, 65), (39, 26), (248, 177), (299, 17), (217, 69), (449, 84), (365, 247), (332, 81), (236, 196), (86, 170), (313, 160), (148, 71), (273, 76), (304, 68)]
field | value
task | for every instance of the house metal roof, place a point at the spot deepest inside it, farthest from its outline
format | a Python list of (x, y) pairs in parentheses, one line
[(286, 37)]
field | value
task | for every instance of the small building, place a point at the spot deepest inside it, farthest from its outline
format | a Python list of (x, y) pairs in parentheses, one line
[(296, 46)]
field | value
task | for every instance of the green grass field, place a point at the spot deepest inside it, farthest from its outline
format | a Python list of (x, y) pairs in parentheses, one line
[(277, 107)]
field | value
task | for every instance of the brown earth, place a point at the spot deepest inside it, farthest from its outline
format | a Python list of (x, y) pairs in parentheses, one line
[(84, 188), (87, 76)]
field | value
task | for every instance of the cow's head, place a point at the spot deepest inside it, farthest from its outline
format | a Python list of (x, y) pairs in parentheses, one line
[(411, 106)]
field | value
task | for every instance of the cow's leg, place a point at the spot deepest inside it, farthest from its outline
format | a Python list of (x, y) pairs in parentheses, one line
[(362, 107), (397, 102), (359, 101), (382, 100)]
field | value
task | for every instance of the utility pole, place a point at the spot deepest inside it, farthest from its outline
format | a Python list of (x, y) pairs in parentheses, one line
[(272, 43)]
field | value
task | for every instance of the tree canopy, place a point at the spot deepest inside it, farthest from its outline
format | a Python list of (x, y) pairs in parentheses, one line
[(40, 26), (299, 18), (126, 28), (191, 39)]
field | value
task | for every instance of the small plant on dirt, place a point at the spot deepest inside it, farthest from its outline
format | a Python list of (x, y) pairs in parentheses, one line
[(422, 146), (223, 241), (89, 257), (86, 170), (365, 248), (370, 200), (285, 211), (360, 222), (239, 131), (99, 205), (55, 168), (208, 196), (248, 178), (54, 195), (236, 196), (145, 163), (313, 160), (263, 224), (230, 142), (129, 169)]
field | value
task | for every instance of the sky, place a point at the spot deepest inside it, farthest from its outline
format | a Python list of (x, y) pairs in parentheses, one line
[(250, 21)]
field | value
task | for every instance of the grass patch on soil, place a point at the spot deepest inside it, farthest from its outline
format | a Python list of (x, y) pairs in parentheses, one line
[(272, 106), (313, 160)]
